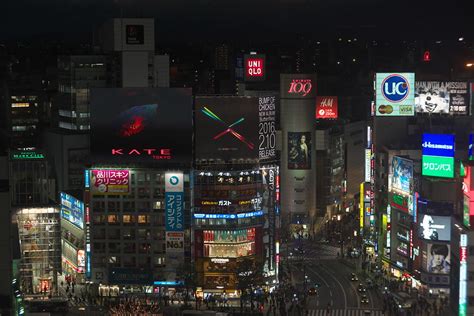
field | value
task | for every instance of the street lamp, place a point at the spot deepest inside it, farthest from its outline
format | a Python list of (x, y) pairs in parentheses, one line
[(469, 65)]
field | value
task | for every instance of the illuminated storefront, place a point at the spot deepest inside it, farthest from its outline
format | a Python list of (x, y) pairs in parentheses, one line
[(230, 209)]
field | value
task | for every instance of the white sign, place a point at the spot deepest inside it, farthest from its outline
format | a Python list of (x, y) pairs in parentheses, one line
[(368, 155), (174, 182)]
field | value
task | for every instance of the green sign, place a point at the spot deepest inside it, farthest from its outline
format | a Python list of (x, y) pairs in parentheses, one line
[(466, 219), (24, 155), (434, 166), (462, 309)]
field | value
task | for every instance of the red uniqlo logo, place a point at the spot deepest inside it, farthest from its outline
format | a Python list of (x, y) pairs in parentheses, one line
[(326, 107), (254, 67)]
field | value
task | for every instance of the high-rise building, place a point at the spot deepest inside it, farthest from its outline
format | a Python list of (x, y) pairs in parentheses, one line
[(298, 157)]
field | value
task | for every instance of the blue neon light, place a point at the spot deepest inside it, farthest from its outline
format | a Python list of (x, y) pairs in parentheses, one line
[(228, 216), (168, 283)]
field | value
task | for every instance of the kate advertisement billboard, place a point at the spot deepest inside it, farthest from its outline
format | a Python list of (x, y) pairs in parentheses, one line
[(141, 125), (394, 94)]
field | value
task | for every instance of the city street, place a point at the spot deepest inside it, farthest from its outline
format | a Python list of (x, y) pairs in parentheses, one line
[(331, 276)]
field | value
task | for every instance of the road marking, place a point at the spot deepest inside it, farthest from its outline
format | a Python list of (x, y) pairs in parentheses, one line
[(330, 293), (340, 285)]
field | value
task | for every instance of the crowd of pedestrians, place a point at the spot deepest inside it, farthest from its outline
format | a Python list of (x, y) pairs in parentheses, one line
[(134, 306)]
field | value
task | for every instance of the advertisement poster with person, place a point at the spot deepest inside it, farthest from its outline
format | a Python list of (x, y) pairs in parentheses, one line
[(439, 258), (446, 97), (299, 150), (401, 175)]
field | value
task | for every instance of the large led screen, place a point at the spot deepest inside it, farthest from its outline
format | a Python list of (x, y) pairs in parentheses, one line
[(438, 155), (448, 97), (141, 125), (434, 228), (72, 210), (401, 175), (394, 94), (299, 150), (236, 127), (439, 258)]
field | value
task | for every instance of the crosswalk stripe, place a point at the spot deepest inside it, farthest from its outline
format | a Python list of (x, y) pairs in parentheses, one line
[(343, 312)]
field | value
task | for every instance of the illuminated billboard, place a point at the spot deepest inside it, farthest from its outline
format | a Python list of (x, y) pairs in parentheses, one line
[(439, 258), (435, 228), (299, 150), (394, 94), (401, 176), (438, 155), (448, 97), (298, 86), (174, 201), (236, 127), (469, 150), (326, 107), (254, 67), (110, 181), (463, 275), (141, 125), (72, 210)]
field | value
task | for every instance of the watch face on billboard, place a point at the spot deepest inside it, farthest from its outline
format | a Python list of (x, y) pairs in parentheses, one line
[(236, 127), (135, 34), (141, 125), (435, 227), (448, 97), (254, 67), (401, 176), (394, 94), (439, 258), (326, 107), (299, 150)]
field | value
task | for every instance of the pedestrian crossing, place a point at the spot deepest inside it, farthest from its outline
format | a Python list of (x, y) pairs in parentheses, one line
[(345, 312)]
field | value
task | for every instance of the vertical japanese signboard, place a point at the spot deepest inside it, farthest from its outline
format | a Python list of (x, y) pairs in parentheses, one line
[(463, 275), (174, 215)]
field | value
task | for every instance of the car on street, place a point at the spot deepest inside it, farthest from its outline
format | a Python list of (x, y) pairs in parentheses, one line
[(354, 277), (364, 299), (312, 291), (361, 288)]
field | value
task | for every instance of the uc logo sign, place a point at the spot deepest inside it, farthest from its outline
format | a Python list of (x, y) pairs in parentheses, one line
[(395, 88), (174, 180)]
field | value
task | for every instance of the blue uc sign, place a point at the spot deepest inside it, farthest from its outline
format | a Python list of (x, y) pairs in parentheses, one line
[(395, 88)]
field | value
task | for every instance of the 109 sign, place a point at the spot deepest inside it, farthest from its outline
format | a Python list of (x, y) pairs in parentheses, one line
[(300, 86)]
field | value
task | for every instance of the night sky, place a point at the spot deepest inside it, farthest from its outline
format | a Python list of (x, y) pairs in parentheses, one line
[(178, 20)]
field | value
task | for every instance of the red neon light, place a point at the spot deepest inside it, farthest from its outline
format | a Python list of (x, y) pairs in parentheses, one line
[(326, 107), (301, 86), (164, 153), (132, 127), (463, 254), (427, 56), (254, 67)]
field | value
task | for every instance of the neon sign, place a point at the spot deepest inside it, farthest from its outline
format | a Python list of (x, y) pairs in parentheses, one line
[(228, 216), (301, 86), (164, 153)]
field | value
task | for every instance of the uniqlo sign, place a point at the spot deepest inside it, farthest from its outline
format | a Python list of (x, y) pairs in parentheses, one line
[(326, 107), (254, 67)]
